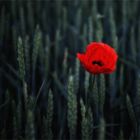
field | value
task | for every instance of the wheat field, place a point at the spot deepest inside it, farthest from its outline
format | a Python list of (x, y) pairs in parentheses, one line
[(45, 94)]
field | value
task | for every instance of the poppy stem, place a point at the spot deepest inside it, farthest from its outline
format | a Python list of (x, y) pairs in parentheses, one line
[(93, 79)]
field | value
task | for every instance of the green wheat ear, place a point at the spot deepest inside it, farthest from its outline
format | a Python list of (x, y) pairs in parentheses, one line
[(20, 59), (72, 108), (49, 119), (30, 126), (87, 122), (37, 45), (27, 56)]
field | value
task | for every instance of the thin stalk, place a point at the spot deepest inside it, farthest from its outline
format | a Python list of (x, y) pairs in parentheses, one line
[(86, 95)]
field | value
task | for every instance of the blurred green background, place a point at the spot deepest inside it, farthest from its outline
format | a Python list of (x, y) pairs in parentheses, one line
[(45, 93)]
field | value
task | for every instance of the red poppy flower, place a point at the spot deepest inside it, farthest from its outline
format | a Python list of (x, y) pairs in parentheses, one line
[(98, 58)]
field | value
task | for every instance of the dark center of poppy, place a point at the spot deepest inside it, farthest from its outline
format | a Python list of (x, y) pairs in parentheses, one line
[(97, 63)]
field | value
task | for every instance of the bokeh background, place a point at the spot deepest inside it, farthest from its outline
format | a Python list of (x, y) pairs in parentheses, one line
[(44, 91)]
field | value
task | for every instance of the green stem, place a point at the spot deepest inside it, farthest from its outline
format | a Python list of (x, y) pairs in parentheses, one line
[(86, 94)]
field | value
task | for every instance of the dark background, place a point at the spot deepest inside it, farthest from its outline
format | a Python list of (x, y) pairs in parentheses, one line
[(66, 27)]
